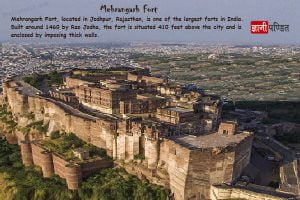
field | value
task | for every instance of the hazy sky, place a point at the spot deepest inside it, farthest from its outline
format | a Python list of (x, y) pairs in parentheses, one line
[(281, 11)]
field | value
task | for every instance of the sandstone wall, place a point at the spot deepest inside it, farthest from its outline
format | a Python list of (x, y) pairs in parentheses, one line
[(188, 171), (74, 173), (227, 128), (166, 163), (207, 167), (289, 178), (51, 163), (242, 156), (146, 79), (192, 171), (71, 172), (64, 97), (74, 82), (216, 165), (152, 152), (91, 167), (97, 131), (59, 165), (222, 193), (103, 99), (127, 147), (43, 159), (73, 176), (175, 117), (26, 153), (16, 99), (176, 159), (141, 106)]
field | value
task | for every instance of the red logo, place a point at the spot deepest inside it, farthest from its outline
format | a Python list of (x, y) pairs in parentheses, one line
[(259, 27)]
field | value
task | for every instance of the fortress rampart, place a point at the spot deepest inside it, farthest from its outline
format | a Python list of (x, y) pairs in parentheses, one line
[(51, 163), (41, 157), (193, 170), (26, 153), (253, 192), (188, 165), (94, 130)]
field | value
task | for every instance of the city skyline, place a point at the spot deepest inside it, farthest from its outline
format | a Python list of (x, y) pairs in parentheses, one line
[(280, 11)]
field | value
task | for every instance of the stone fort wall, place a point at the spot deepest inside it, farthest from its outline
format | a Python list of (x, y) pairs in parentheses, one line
[(188, 171), (99, 132), (192, 171), (51, 163), (219, 192)]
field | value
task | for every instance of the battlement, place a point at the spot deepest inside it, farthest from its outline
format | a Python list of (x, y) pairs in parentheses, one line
[(52, 163), (173, 134)]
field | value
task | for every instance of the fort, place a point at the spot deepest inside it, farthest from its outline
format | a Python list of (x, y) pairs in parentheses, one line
[(161, 131)]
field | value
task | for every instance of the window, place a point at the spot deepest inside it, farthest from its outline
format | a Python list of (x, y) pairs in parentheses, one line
[(172, 150)]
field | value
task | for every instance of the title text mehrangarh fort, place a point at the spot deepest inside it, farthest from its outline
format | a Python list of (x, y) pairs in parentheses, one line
[(135, 9)]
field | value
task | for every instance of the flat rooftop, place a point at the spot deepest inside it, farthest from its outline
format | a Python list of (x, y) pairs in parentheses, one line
[(148, 96), (210, 140), (178, 109)]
